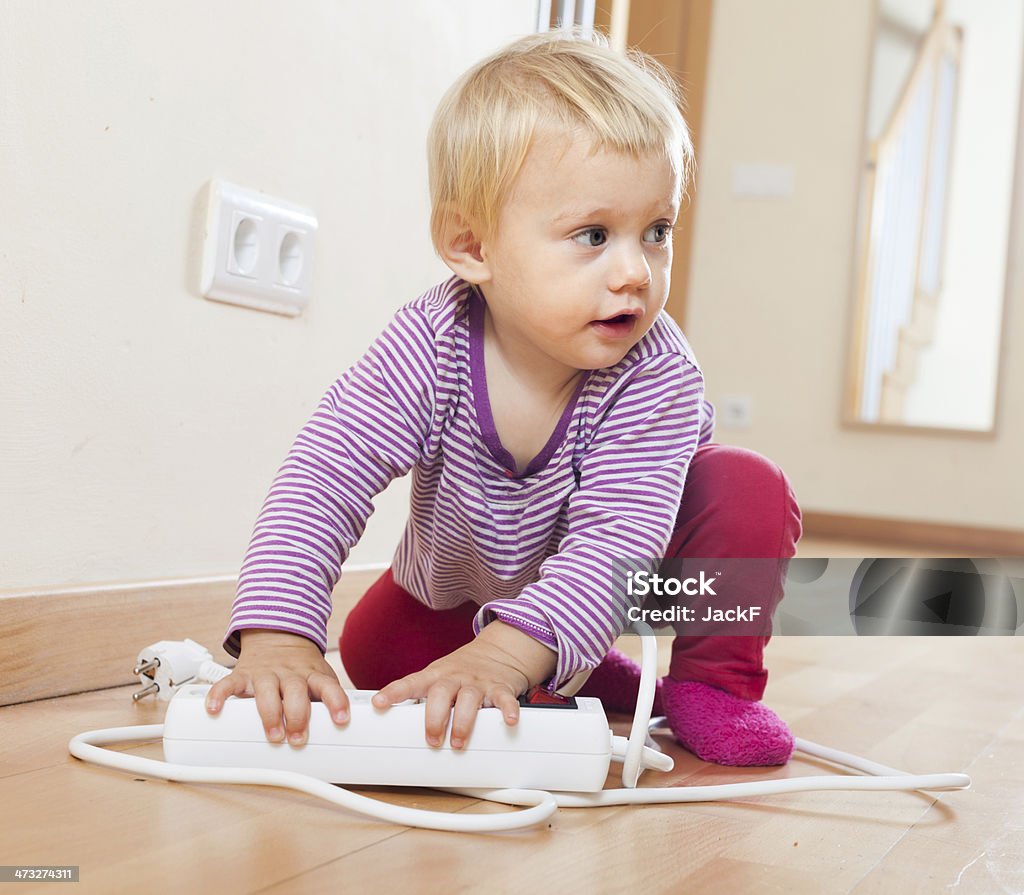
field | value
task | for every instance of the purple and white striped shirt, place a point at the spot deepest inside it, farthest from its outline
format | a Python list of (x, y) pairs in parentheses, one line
[(532, 549)]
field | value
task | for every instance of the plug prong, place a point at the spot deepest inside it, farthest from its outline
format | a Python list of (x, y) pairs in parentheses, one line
[(146, 667), (144, 692)]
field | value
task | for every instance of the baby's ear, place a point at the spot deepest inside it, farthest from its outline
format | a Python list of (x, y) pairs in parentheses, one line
[(460, 249)]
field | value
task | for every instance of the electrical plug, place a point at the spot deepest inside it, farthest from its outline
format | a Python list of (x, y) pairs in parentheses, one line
[(165, 666)]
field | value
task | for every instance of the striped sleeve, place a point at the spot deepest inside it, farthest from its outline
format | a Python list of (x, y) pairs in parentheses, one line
[(368, 429), (707, 424), (631, 481)]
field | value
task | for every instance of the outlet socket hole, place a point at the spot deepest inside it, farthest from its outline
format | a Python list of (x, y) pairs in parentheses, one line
[(245, 246), (289, 258)]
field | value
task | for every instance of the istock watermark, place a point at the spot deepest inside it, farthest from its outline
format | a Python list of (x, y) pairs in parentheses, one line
[(755, 597), (642, 584)]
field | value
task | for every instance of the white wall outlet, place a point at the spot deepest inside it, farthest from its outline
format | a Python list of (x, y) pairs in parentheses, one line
[(735, 411), (258, 251), (761, 181)]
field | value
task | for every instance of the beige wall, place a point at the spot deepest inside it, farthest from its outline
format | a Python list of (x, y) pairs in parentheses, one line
[(770, 291), (140, 424)]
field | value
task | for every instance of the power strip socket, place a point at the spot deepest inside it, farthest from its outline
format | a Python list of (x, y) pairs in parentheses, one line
[(556, 748)]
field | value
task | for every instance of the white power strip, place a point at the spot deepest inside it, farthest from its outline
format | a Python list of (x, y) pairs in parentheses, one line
[(566, 750), (551, 748)]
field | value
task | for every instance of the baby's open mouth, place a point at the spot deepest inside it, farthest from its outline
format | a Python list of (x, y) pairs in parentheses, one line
[(617, 325)]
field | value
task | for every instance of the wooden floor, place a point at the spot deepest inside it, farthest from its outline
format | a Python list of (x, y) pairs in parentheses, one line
[(920, 704)]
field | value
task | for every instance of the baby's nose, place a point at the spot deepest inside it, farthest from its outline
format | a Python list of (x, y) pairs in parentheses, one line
[(631, 272)]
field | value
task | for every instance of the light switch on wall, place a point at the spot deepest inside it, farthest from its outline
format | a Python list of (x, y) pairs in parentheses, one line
[(763, 181), (735, 411)]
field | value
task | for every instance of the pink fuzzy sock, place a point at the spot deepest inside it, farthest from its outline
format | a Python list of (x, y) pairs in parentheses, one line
[(719, 727), (615, 682)]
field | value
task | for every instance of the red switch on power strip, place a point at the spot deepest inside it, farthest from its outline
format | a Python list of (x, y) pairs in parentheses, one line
[(539, 698)]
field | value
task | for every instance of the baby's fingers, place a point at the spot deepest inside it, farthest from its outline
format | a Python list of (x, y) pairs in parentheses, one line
[(295, 700), (268, 703), (329, 691), (235, 684), (409, 687), (467, 703), (503, 698)]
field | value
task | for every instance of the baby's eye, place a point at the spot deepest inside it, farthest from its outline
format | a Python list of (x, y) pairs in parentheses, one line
[(658, 233), (592, 237)]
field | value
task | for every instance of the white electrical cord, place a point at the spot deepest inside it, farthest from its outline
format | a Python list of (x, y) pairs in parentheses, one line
[(539, 805), (86, 746), (633, 764)]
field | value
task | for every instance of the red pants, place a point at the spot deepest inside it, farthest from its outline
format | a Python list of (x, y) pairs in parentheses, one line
[(736, 504)]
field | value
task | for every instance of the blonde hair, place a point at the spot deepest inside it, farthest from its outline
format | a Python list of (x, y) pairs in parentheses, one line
[(485, 123)]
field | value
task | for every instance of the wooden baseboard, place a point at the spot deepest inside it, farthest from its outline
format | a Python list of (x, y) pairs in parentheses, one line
[(68, 641), (950, 540)]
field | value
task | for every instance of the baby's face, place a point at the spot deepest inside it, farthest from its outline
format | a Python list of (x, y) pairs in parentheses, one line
[(581, 259)]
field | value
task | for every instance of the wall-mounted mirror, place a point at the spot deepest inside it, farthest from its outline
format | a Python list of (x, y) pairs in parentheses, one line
[(942, 135)]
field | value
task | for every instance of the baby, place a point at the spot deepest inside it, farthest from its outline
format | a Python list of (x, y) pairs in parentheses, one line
[(550, 413)]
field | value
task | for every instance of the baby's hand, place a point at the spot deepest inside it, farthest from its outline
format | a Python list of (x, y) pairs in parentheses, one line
[(492, 670), (282, 671)]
